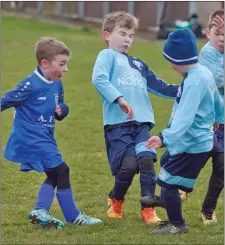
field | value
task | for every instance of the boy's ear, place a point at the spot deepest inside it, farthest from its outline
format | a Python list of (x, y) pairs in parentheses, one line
[(106, 35), (207, 33), (44, 63)]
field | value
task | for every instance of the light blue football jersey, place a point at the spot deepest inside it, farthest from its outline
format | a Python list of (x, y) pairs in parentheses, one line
[(214, 61), (197, 107), (115, 75)]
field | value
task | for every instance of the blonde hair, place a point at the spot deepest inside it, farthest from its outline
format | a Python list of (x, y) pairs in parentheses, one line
[(219, 12), (48, 47), (121, 19)]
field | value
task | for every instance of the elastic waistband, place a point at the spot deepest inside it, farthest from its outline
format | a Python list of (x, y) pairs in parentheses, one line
[(126, 124)]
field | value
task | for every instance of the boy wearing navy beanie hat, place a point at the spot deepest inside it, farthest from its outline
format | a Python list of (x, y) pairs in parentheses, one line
[(180, 48), (189, 136)]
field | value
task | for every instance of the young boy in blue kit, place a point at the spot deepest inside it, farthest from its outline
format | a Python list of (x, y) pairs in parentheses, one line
[(212, 56), (123, 83), (38, 101), (189, 136)]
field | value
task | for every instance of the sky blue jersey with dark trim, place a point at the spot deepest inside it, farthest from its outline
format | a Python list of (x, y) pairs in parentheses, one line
[(116, 75), (197, 107), (214, 61)]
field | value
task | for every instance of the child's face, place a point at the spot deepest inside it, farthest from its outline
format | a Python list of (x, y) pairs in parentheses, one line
[(120, 39), (56, 68), (215, 38)]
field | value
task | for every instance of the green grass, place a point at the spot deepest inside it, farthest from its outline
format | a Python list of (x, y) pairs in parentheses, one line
[(80, 139)]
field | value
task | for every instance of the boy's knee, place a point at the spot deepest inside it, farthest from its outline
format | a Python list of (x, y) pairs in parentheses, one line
[(51, 179), (219, 170), (129, 165), (218, 164), (146, 164), (63, 178), (62, 169)]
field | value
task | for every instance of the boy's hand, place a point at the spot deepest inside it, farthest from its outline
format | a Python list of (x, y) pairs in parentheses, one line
[(58, 110), (218, 22), (126, 107), (154, 142)]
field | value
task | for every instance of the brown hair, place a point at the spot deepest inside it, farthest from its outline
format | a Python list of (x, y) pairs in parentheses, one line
[(219, 12), (121, 19), (48, 47)]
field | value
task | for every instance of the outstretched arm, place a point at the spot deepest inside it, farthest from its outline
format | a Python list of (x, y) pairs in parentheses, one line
[(182, 120), (16, 96), (159, 87)]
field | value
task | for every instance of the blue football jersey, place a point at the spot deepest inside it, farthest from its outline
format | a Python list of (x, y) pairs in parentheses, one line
[(32, 136)]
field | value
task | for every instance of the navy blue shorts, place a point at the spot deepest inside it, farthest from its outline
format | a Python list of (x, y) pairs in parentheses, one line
[(219, 139), (181, 170), (124, 141)]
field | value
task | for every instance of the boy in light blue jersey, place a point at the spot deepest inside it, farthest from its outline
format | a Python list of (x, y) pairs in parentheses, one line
[(212, 56), (38, 101), (189, 137), (123, 83)]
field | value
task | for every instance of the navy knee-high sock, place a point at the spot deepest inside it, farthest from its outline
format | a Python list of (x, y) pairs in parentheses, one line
[(172, 202), (120, 189), (148, 183), (45, 197), (123, 180), (67, 204)]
